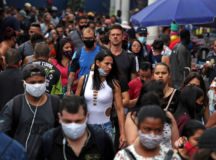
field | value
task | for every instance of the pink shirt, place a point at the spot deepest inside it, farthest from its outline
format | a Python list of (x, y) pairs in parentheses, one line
[(63, 70)]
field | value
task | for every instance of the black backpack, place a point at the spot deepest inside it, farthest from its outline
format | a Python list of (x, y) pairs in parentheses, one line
[(16, 110)]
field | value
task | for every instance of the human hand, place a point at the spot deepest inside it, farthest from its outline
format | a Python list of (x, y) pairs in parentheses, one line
[(180, 142), (122, 141)]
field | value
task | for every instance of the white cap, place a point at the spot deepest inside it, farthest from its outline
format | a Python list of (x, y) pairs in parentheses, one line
[(27, 4), (125, 25)]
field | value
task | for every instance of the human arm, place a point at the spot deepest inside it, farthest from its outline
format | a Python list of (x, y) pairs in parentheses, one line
[(132, 103), (174, 129), (165, 59), (79, 86), (125, 98), (71, 78), (130, 129), (73, 68), (206, 114), (211, 121), (120, 113), (6, 117), (124, 91)]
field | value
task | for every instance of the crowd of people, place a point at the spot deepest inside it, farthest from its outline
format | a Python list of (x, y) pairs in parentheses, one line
[(81, 86)]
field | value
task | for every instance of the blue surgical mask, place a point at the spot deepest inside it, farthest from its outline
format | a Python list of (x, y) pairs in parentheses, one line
[(142, 39), (102, 72)]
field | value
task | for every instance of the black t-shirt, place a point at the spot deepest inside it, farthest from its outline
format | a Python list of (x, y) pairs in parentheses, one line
[(52, 74), (126, 64), (98, 146), (11, 84), (41, 123), (174, 103)]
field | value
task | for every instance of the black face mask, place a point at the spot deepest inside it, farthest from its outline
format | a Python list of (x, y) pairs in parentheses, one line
[(199, 108), (81, 27), (89, 43)]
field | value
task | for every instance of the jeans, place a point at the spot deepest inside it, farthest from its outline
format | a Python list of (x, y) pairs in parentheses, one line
[(107, 127)]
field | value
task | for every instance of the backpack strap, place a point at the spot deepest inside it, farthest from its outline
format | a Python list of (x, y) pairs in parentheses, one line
[(16, 113), (169, 155), (55, 107), (170, 99), (86, 76), (130, 154)]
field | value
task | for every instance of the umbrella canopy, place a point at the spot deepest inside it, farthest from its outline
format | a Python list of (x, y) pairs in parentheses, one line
[(163, 12)]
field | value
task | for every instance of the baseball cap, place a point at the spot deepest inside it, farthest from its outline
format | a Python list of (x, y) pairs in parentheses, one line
[(32, 70), (23, 13), (142, 30)]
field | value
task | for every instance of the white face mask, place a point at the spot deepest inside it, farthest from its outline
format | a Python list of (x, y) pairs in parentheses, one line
[(35, 90), (73, 130), (150, 141), (102, 72)]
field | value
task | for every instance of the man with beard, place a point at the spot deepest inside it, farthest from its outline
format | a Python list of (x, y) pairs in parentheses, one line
[(27, 47), (75, 35)]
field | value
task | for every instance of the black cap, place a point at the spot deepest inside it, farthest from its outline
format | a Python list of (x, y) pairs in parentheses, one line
[(33, 69), (142, 30), (208, 139)]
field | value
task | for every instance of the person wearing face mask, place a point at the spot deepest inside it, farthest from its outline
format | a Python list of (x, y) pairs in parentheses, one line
[(101, 90), (62, 61), (150, 123), (190, 106), (24, 117), (75, 34), (187, 144), (141, 35), (83, 58), (75, 139), (207, 146)]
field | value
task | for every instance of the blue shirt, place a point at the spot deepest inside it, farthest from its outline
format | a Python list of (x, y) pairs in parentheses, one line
[(84, 60), (11, 149)]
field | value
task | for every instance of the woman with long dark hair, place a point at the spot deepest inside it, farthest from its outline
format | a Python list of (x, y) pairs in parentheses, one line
[(190, 106), (147, 145), (64, 53), (136, 48), (195, 79), (171, 95), (151, 94), (101, 89)]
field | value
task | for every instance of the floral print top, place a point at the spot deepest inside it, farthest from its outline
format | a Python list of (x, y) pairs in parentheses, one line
[(123, 155)]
